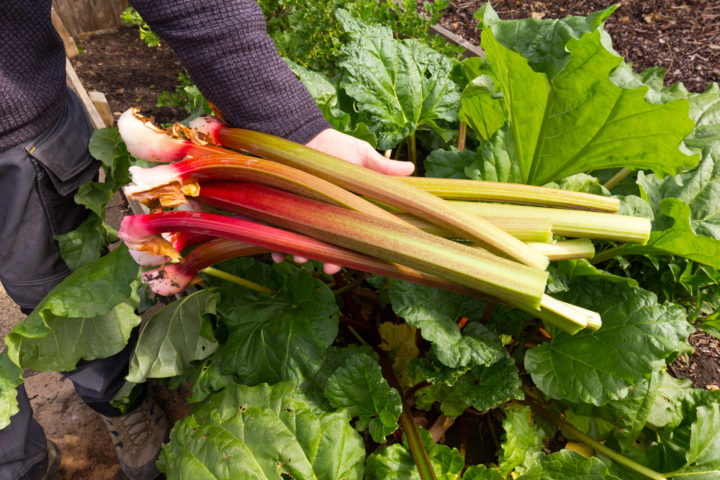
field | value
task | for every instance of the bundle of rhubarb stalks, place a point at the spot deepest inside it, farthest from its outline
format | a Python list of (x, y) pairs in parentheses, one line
[(466, 236)]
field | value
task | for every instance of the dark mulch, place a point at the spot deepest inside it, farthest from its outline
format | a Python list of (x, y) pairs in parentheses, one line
[(682, 36)]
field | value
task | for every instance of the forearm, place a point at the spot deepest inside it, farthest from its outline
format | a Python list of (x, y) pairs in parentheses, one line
[(226, 50)]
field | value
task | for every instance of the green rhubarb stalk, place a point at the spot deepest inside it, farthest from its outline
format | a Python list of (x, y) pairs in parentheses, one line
[(527, 230), (566, 249), (569, 223), (243, 282), (374, 185), (508, 280), (479, 190), (617, 178)]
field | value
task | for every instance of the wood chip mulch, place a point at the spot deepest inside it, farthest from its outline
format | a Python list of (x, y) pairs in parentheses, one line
[(682, 36)]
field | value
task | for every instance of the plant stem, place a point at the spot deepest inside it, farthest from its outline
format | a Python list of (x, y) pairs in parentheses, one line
[(412, 152), (617, 178), (462, 136), (599, 447), (407, 423), (607, 254), (237, 280)]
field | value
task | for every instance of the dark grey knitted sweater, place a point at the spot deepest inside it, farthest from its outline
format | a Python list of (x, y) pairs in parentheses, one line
[(222, 43)]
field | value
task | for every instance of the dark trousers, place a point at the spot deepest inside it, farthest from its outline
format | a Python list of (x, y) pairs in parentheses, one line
[(38, 180)]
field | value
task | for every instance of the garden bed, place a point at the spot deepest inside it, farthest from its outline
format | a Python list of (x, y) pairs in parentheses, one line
[(131, 74)]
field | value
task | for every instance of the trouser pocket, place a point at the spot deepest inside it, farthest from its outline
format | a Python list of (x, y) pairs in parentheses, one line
[(37, 184)]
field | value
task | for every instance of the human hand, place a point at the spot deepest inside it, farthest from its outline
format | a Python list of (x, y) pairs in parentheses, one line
[(359, 152), (353, 150)]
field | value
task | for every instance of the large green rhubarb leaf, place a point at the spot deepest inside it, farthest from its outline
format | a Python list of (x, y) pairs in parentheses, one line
[(637, 336), (10, 378), (174, 337), (436, 312), (88, 315), (566, 116), (280, 337), (262, 432), (401, 85), (359, 387)]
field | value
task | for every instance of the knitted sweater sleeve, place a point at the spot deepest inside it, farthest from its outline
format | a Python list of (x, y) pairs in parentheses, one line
[(225, 48)]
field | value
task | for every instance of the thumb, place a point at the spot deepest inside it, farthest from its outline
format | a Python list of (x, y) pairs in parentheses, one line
[(377, 162)]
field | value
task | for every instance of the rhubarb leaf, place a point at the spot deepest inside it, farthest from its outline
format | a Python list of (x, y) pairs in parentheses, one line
[(85, 299), (267, 432), (523, 439), (436, 312), (401, 85), (542, 42), (282, 337), (396, 461), (174, 337), (86, 243), (359, 387), (568, 465), (630, 414), (69, 340), (703, 456), (324, 91), (10, 379), (699, 189), (705, 111), (679, 238), (108, 146), (637, 336), (483, 388), (481, 108), (92, 289), (577, 120)]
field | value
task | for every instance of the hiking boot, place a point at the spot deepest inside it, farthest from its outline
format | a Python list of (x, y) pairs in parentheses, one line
[(138, 437), (53, 461)]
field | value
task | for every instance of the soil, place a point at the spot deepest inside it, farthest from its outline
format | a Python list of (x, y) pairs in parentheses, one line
[(682, 36)]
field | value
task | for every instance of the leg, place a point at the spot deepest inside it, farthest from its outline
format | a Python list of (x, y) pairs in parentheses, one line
[(37, 184)]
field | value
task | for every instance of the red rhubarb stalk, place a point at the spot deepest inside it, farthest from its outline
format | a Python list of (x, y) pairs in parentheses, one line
[(374, 185), (516, 283), (167, 185)]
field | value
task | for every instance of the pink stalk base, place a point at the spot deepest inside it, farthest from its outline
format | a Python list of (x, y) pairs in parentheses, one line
[(148, 142), (175, 277)]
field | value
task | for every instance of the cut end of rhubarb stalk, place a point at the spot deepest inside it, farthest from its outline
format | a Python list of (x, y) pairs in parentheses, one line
[(170, 195), (207, 126), (144, 259), (137, 237), (148, 142), (167, 280)]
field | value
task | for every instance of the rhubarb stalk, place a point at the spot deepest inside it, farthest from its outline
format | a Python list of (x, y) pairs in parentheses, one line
[(479, 190), (383, 188), (569, 223)]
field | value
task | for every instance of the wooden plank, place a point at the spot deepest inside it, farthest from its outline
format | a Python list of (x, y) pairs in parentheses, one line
[(71, 49), (101, 105), (75, 83), (65, 12)]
